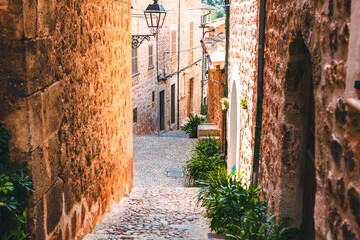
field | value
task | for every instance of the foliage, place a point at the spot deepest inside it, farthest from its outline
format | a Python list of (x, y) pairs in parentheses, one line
[(236, 211), (204, 109), (219, 4), (243, 103), (205, 157), (191, 126), (225, 103), (14, 187)]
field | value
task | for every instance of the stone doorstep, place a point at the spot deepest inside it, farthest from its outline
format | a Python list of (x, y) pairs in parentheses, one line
[(208, 129)]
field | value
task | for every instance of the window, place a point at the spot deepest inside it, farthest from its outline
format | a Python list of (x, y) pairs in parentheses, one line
[(173, 43), (191, 45), (191, 35), (151, 58), (153, 96), (135, 115), (134, 62)]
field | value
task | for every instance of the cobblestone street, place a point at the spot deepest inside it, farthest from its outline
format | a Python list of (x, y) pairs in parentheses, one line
[(159, 207)]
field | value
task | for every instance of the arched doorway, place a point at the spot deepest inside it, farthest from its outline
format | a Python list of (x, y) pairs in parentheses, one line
[(300, 121), (234, 122)]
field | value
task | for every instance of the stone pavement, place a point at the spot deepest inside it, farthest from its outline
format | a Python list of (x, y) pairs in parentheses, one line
[(159, 207)]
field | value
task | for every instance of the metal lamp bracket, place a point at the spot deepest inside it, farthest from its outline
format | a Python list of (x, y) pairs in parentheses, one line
[(137, 40)]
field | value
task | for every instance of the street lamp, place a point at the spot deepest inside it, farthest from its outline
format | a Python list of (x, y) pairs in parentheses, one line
[(155, 16)]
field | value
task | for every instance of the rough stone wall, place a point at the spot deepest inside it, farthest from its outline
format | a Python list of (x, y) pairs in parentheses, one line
[(66, 100), (322, 28), (243, 55), (145, 82)]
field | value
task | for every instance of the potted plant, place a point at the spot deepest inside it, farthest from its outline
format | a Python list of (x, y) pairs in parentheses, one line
[(191, 126)]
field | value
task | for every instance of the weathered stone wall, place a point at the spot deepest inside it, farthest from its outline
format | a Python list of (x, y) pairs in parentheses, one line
[(66, 100), (243, 56), (303, 36), (307, 47)]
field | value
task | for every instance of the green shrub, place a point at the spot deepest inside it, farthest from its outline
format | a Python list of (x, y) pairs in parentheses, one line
[(14, 188), (205, 158), (191, 126), (204, 109), (236, 211)]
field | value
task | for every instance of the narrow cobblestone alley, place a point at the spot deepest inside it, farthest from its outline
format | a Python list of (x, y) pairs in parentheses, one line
[(159, 207)]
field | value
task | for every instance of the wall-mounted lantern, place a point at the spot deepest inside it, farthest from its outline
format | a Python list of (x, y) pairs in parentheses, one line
[(155, 15)]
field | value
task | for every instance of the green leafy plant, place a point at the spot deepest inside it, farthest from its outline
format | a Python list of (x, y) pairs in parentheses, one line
[(192, 125), (225, 103), (15, 185), (236, 211), (243, 103), (205, 157), (204, 109)]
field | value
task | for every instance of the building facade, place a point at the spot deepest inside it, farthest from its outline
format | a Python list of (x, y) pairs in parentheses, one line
[(65, 89), (214, 48), (163, 102), (309, 150)]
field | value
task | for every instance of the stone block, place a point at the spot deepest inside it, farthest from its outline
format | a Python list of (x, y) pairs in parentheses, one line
[(17, 124), (40, 174), (54, 205), (11, 20), (36, 120), (46, 17), (38, 64), (12, 69), (37, 224), (208, 130), (52, 108), (53, 156), (354, 200), (29, 12)]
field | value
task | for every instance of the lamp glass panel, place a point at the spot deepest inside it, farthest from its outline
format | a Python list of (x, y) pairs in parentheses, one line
[(162, 19), (155, 20), (147, 17)]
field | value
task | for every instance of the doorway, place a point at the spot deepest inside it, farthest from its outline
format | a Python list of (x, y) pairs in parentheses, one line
[(300, 125), (162, 110), (173, 104), (190, 96), (309, 175)]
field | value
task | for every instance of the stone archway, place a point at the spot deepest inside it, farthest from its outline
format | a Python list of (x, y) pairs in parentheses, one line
[(298, 144), (234, 122)]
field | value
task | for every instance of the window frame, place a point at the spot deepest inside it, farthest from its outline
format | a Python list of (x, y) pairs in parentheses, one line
[(151, 56), (134, 61)]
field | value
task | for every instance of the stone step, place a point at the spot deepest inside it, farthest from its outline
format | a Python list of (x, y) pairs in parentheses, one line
[(208, 129)]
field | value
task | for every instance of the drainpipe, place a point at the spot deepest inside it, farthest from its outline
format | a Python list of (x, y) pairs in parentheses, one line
[(203, 61), (225, 91), (260, 91), (178, 75), (157, 72)]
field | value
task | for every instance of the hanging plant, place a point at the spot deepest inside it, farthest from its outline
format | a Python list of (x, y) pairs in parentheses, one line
[(225, 103)]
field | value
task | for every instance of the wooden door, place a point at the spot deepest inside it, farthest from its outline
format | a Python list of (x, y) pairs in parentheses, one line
[(308, 227), (162, 110)]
